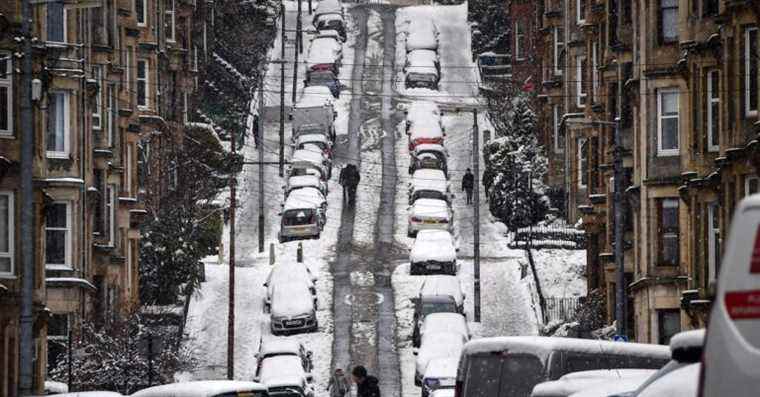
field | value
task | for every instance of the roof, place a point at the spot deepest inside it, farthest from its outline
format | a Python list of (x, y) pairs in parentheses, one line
[(324, 50), (422, 55), (305, 138), (313, 96), (299, 181), (617, 373), (427, 127), (280, 346), (309, 156), (430, 208), (583, 380), (442, 285), (544, 345), (277, 367), (291, 299), (200, 388), (329, 6), (438, 345), (92, 394), (433, 245), (442, 368), (444, 322), (306, 197), (429, 179), (608, 388)]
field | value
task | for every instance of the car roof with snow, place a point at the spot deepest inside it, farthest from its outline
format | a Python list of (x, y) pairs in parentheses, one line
[(306, 138), (681, 383), (433, 208), (285, 380), (308, 156), (445, 322), (279, 366), (441, 284), (280, 346), (443, 393), (323, 51), (605, 389), (422, 55), (543, 346), (304, 198), (614, 373), (433, 245), (420, 106), (290, 300), (332, 33), (438, 345), (299, 181), (313, 96), (206, 388), (429, 179), (282, 273), (421, 69), (329, 6), (429, 147), (429, 128), (442, 368)]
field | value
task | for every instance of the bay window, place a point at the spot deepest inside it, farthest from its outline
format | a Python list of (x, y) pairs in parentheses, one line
[(580, 81), (668, 232), (559, 50), (142, 84), (58, 124), (58, 235), (713, 111), (667, 122)]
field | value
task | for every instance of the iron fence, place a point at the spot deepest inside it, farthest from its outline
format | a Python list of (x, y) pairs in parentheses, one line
[(561, 309)]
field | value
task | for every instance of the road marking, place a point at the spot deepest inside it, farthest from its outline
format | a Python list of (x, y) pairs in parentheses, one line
[(349, 299)]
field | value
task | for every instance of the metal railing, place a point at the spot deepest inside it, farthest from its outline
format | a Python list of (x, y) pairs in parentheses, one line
[(560, 309)]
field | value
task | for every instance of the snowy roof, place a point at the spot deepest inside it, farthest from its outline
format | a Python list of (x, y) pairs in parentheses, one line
[(682, 382), (605, 389), (442, 368), (291, 300), (280, 346), (429, 179), (309, 156), (323, 51), (306, 195), (285, 273), (69, 282), (445, 322), (329, 6), (421, 69), (425, 127), (285, 381), (206, 388), (422, 56), (433, 245), (564, 387), (334, 15), (609, 374), (305, 138), (274, 368), (687, 339), (442, 285), (438, 345), (430, 208), (443, 393), (313, 96), (421, 37), (97, 394), (423, 107), (542, 346), (295, 182)]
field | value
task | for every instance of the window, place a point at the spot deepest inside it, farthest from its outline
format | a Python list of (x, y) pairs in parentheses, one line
[(98, 177), (713, 241), (56, 22), (580, 9), (141, 10), (7, 226), (667, 122), (559, 136), (713, 111), (594, 71), (130, 55), (128, 170), (668, 21), (58, 124), (582, 163), (97, 75), (519, 44), (559, 50), (170, 22), (750, 72), (6, 94), (111, 114), (580, 81), (185, 116), (751, 185), (58, 235), (110, 220), (709, 7), (668, 324), (668, 232), (142, 84), (59, 326), (195, 59), (172, 175)]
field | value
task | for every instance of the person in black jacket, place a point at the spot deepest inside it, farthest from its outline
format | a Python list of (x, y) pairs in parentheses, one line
[(468, 183), (366, 384)]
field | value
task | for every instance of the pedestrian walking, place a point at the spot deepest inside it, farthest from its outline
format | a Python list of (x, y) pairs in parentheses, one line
[(342, 180), (366, 384), (468, 183), (338, 386), (352, 181)]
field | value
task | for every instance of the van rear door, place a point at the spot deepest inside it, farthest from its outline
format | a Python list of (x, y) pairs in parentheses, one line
[(732, 350)]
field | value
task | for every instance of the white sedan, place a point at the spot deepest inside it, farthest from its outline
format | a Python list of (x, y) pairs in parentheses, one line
[(427, 214)]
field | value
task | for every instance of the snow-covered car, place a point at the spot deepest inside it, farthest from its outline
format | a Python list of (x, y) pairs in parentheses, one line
[(324, 54), (684, 382), (322, 141), (305, 159), (324, 76), (733, 334), (584, 380), (428, 183), (422, 34), (421, 70), (303, 215), (425, 132), (327, 42), (447, 392), (429, 214), (204, 388), (619, 387), (423, 56), (281, 373), (429, 304), (429, 156), (328, 7), (421, 108), (292, 309), (436, 345), (519, 363), (274, 347), (441, 373), (442, 322), (330, 33), (441, 285), (302, 181), (433, 252)]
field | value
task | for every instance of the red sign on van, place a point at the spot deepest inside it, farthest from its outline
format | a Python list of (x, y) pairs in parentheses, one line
[(754, 260), (743, 305)]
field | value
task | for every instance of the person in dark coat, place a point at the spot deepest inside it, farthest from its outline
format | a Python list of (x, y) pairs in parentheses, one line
[(351, 181), (366, 384), (342, 180), (468, 183)]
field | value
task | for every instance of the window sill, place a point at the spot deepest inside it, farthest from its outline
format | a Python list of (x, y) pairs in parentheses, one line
[(668, 153), (59, 267), (57, 155), (8, 276), (7, 136)]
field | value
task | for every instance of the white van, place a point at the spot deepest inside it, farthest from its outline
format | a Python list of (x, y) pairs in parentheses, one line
[(732, 346)]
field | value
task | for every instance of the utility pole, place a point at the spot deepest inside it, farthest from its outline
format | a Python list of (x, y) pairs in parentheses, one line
[(476, 211), (282, 94), (299, 29), (299, 49), (619, 215), (231, 283), (28, 220), (261, 158)]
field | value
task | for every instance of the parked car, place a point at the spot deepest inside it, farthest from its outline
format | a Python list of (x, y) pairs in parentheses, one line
[(417, 56), (275, 347), (331, 21), (519, 363), (422, 70), (302, 181), (304, 159), (284, 377), (303, 215), (578, 381), (314, 112), (429, 304), (282, 274), (684, 382), (292, 309), (323, 142), (429, 156), (609, 389), (433, 252), (732, 344), (204, 388), (440, 285), (91, 394), (429, 214), (428, 183), (422, 34), (442, 322), (289, 386), (428, 131), (441, 373), (436, 345)]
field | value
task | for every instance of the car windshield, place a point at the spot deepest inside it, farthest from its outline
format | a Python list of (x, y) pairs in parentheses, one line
[(422, 76), (438, 307), (431, 194), (298, 217), (331, 24), (503, 375), (322, 78)]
